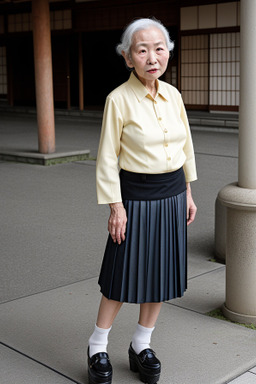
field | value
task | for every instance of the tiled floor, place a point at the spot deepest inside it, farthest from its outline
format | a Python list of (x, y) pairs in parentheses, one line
[(247, 378)]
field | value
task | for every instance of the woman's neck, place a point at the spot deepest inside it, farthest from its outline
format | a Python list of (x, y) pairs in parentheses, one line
[(150, 85), (152, 88)]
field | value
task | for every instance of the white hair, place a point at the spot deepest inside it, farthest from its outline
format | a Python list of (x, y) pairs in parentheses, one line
[(138, 25)]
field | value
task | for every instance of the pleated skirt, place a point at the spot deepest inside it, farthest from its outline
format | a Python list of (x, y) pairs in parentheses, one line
[(151, 264)]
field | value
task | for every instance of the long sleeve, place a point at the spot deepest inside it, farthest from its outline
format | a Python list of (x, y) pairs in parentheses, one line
[(190, 164), (107, 173)]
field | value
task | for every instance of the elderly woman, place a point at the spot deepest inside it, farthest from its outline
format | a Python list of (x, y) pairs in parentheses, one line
[(145, 132)]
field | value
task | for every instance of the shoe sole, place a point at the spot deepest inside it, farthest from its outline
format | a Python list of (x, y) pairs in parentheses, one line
[(145, 378), (95, 380)]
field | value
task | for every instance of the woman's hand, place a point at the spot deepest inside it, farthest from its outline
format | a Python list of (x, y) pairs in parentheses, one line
[(191, 207), (117, 222)]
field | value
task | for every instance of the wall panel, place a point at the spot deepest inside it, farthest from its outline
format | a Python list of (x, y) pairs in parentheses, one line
[(224, 69), (194, 69)]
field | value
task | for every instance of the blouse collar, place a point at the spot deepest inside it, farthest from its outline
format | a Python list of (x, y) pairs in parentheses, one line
[(141, 91)]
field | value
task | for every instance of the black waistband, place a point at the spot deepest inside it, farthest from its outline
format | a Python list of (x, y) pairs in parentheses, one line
[(141, 186)]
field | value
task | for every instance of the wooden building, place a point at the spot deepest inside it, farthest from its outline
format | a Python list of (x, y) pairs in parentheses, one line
[(204, 67)]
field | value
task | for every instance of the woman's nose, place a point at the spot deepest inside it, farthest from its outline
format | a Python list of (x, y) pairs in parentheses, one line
[(151, 58)]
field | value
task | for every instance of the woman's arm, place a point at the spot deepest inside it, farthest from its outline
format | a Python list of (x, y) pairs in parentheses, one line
[(117, 222), (107, 172), (189, 166), (191, 207)]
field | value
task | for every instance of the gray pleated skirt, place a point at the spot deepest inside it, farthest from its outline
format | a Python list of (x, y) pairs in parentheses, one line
[(151, 264)]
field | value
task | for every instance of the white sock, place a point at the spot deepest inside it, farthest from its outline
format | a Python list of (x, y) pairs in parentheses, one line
[(141, 338), (98, 341)]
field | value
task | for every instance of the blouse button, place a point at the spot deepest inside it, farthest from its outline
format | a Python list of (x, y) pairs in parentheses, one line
[(166, 131), (166, 144), (160, 118), (169, 158)]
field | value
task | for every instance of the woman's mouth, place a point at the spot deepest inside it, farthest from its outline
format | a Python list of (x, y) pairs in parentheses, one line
[(153, 70)]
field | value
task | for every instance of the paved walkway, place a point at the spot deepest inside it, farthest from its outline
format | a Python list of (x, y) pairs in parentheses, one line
[(53, 235)]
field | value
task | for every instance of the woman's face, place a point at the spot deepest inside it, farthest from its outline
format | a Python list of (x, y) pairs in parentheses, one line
[(149, 54)]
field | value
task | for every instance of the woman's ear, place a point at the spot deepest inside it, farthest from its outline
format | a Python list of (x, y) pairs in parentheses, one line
[(127, 60)]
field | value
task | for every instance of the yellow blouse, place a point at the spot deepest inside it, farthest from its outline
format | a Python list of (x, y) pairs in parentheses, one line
[(142, 135)]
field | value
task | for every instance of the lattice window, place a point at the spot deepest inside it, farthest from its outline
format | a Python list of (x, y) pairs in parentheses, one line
[(171, 75), (61, 19), (3, 71), (174, 76), (20, 22), (225, 69), (194, 69)]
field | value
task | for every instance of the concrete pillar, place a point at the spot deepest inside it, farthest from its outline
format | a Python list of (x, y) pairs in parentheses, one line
[(240, 203), (80, 73), (220, 231), (247, 119), (43, 75), (240, 198)]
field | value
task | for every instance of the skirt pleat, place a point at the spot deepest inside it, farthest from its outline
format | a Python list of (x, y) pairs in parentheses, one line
[(151, 264)]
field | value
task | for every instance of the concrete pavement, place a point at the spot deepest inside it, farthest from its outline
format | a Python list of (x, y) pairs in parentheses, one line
[(53, 235)]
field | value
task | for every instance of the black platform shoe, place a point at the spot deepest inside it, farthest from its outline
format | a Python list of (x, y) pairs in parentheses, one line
[(99, 368), (146, 363)]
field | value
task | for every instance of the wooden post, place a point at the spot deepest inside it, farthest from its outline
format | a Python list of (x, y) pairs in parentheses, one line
[(43, 75), (80, 73)]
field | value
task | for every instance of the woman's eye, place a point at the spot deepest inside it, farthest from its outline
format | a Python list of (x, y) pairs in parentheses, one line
[(159, 49)]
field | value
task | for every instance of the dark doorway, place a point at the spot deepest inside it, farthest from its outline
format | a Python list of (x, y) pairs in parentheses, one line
[(73, 64), (104, 69), (21, 64), (60, 68)]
